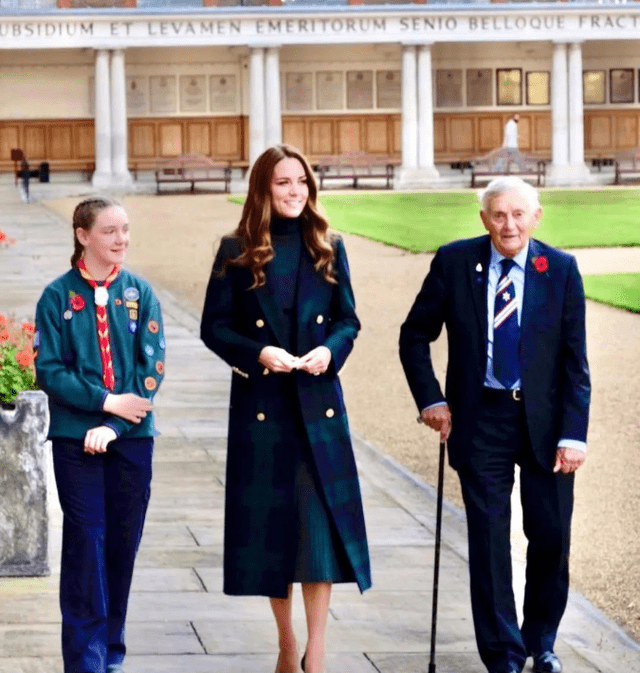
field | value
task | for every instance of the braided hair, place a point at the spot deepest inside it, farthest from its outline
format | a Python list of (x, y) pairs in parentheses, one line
[(84, 217)]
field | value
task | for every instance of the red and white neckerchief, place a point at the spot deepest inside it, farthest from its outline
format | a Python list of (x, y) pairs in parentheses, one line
[(101, 298)]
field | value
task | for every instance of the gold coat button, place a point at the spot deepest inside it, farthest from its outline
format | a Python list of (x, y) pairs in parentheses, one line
[(329, 413), (265, 371), (320, 320), (259, 322), (260, 416)]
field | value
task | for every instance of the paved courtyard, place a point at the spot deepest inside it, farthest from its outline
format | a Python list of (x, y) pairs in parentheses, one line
[(179, 620)]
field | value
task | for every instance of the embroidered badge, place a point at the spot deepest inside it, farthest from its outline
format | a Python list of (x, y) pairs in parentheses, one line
[(77, 302), (150, 383), (131, 304), (132, 294), (479, 267), (68, 314), (153, 327), (149, 350), (133, 327), (162, 344), (133, 314), (160, 367), (540, 264), (118, 302)]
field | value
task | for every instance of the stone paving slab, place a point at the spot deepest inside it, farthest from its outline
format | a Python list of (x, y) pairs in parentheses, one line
[(179, 620)]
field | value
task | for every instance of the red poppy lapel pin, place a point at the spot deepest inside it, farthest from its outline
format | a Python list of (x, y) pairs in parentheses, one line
[(77, 302), (540, 264)]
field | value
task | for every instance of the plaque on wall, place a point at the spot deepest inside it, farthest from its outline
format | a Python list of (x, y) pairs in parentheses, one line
[(330, 90), (621, 85), (163, 94), (448, 88), (193, 95), (359, 89), (593, 86), (222, 89), (389, 89), (479, 87), (299, 91), (538, 88), (509, 86), (137, 96)]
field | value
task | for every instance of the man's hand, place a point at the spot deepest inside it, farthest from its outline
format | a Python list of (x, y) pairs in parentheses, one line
[(277, 360), (128, 406), (316, 361), (568, 460), (439, 419), (96, 439)]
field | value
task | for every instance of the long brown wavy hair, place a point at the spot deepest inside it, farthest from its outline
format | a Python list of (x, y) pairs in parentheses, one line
[(84, 217), (254, 230)]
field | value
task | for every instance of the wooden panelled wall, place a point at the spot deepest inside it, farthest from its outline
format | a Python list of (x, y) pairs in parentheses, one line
[(69, 144)]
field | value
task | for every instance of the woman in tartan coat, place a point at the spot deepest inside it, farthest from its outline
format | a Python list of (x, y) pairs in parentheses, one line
[(280, 311)]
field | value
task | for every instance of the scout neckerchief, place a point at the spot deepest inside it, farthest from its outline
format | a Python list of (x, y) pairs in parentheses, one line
[(101, 297)]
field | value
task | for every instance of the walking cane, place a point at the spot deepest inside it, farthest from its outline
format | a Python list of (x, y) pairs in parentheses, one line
[(436, 560)]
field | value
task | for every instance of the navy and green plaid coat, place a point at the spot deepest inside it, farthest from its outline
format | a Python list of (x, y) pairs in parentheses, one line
[(237, 323)]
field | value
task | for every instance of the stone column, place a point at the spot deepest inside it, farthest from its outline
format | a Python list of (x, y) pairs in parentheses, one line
[(559, 173), (425, 113), (409, 107), (119, 147), (257, 143), (102, 122), (273, 123), (576, 113)]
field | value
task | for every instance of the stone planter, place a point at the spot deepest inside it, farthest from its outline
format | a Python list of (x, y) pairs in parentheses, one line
[(24, 521)]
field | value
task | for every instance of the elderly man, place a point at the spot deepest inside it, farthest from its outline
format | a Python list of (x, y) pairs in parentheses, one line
[(517, 392)]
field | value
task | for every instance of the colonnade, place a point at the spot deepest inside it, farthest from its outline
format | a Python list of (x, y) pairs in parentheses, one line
[(110, 102), (265, 114)]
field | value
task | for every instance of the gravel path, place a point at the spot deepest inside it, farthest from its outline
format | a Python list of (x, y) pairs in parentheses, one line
[(173, 241)]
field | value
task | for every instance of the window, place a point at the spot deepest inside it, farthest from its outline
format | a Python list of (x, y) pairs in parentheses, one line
[(509, 86), (593, 83), (538, 88)]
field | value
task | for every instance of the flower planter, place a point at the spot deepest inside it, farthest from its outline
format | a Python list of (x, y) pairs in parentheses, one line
[(24, 521)]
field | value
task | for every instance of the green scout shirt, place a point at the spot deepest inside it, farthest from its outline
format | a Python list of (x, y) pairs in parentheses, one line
[(68, 364)]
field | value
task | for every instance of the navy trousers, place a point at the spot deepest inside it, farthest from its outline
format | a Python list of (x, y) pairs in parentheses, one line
[(104, 500), (500, 442)]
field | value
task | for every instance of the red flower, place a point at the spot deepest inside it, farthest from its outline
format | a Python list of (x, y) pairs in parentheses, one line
[(24, 359), (541, 264), (77, 303), (2, 236), (29, 327), (4, 336)]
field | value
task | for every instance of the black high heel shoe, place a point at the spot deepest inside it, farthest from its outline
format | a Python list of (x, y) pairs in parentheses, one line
[(302, 662)]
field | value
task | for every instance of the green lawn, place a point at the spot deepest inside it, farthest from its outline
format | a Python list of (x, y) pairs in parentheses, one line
[(621, 290), (423, 222)]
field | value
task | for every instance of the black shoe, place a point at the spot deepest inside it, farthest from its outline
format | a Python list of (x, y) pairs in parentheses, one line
[(303, 661), (547, 662)]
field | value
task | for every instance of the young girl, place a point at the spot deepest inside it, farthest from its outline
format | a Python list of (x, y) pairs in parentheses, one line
[(280, 310), (100, 359)]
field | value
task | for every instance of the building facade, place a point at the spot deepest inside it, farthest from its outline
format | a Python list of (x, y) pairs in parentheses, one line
[(112, 90)]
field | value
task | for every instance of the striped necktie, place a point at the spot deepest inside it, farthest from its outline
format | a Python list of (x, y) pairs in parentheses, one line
[(102, 321), (506, 331)]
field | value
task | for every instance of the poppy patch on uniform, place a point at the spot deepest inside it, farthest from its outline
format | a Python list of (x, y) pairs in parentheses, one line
[(149, 350), (153, 327), (131, 294), (150, 383), (118, 302), (160, 367)]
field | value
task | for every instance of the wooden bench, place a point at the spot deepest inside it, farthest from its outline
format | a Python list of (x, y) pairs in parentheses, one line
[(488, 167), (190, 169), (627, 164), (355, 166)]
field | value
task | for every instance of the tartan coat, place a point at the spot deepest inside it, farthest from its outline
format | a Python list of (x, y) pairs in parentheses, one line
[(260, 517)]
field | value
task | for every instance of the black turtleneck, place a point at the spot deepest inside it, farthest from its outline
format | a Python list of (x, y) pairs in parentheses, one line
[(282, 270)]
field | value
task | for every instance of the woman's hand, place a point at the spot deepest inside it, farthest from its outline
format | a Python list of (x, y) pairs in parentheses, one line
[(315, 361), (277, 359), (96, 439), (128, 406)]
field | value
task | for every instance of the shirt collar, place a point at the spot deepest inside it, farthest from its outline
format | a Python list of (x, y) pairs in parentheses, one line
[(520, 259)]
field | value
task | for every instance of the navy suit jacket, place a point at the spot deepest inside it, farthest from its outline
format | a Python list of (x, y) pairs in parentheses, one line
[(553, 361)]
